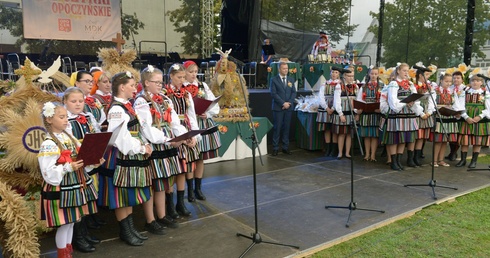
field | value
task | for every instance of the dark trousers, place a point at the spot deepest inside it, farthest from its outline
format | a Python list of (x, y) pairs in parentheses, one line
[(282, 121)]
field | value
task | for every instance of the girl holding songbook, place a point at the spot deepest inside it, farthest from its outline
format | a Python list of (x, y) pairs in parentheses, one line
[(85, 81), (68, 193), (400, 127), (370, 92), (208, 146), (344, 116), (425, 122), (183, 104), (476, 127), (79, 124), (324, 118), (156, 117), (131, 181), (447, 126)]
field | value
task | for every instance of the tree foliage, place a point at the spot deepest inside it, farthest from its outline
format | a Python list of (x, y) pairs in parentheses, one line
[(436, 33), (187, 20), (317, 15), (11, 19)]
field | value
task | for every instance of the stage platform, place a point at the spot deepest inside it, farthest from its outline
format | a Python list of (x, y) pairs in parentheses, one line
[(292, 193)]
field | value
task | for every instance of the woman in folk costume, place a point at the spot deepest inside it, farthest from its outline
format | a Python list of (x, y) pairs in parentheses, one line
[(67, 192), (131, 181), (79, 124), (321, 46), (447, 126), (183, 104), (370, 92), (85, 81), (426, 122), (208, 146), (156, 117), (102, 91), (476, 126), (324, 118), (400, 127), (344, 116)]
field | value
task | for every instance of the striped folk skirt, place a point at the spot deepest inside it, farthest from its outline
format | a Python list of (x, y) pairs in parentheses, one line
[(323, 121), (369, 124), (447, 131), (400, 128), (475, 134), (425, 127), (118, 197), (210, 143)]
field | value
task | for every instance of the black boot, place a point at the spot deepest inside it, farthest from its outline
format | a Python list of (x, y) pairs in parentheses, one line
[(384, 153), (190, 190), (168, 222), (126, 234), (197, 190), (410, 162), (133, 229), (462, 162), (328, 149), (334, 150), (474, 159), (394, 164), (90, 222), (398, 161), (169, 201), (79, 242), (416, 157), (180, 207), (86, 234)]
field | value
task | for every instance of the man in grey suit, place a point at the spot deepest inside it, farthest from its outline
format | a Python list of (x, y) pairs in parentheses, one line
[(283, 94)]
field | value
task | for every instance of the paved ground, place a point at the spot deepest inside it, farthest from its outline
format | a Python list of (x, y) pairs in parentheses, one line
[(292, 193)]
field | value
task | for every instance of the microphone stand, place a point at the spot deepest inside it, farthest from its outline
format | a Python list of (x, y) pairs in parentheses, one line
[(487, 85), (255, 236), (352, 205), (432, 182)]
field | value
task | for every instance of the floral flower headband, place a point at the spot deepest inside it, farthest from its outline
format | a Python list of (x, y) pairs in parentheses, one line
[(150, 69), (128, 74), (48, 109)]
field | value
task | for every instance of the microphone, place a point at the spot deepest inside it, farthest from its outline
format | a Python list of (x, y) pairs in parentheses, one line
[(238, 62), (424, 69), (486, 78)]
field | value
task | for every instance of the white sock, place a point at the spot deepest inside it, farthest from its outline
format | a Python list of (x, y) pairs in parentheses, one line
[(61, 236)]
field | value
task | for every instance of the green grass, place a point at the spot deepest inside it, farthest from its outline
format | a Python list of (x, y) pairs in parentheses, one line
[(451, 229)]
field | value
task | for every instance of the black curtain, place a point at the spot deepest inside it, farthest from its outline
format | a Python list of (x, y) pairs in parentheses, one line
[(239, 27)]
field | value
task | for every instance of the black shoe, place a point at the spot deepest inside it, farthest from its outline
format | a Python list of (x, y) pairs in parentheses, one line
[(410, 161), (169, 201), (190, 190), (197, 189), (180, 206), (155, 228), (274, 153), (126, 234), (92, 240), (168, 222), (394, 164), (462, 162), (79, 241), (90, 222), (474, 159), (133, 229), (286, 151)]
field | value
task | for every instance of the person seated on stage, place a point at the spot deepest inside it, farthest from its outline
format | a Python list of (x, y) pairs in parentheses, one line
[(266, 58), (321, 46)]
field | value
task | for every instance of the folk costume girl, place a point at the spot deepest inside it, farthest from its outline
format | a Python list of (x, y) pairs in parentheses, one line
[(321, 46), (343, 116), (67, 191), (183, 105), (476, 128), (85, 81), (324, 118), (131, 181), (426, 122), (210, 143), (155, 115), (79, 124), (447, 127), (458, 88), (102, 91), (370, 92), (400, 127)]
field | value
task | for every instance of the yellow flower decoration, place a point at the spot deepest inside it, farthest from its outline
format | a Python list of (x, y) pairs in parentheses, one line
[(381, 70), (463, 68), (433, 68), (450, 70), (476, 70), (412, 73)]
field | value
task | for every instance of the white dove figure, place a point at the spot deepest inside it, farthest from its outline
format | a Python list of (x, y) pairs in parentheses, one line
[(44, 76)]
